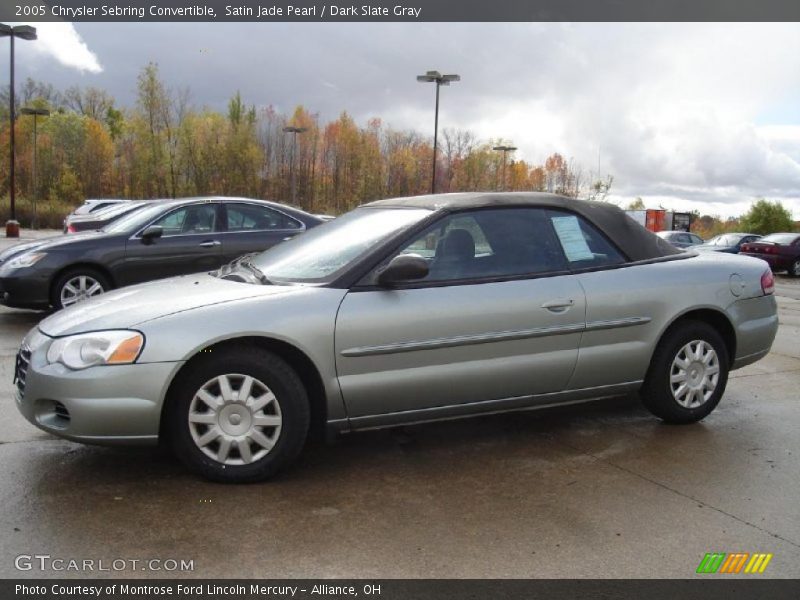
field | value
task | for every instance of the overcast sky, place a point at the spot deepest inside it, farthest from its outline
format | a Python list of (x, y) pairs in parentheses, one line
[(687, 116)]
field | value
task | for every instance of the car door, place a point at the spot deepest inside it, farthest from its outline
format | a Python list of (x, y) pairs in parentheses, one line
[(496, 318), (190, 243), (254, 227), (625, 303)]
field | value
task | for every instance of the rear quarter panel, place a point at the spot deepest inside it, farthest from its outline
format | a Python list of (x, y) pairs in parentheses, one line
[(661, 293)]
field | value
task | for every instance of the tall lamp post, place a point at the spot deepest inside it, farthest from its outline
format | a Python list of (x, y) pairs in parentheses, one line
[(26, 32), (294, 131), (505, 150), (35, 112), (440, 80)]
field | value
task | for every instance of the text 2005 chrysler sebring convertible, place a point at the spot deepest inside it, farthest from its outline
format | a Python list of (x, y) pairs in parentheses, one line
[(401, 311)]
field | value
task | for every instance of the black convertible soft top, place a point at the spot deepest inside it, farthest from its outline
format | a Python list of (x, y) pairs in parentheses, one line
[(634, 240)]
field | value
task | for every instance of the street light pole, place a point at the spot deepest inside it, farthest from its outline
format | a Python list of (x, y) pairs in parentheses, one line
[(36, 112), (294, 131), (26, 32), (505, 150), (440, 80)]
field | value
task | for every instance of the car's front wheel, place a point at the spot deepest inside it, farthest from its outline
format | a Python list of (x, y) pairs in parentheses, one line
[(238, 415), (688, 373), (78, 285), (794, 268)]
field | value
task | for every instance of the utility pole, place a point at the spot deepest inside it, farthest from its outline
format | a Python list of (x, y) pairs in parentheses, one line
[(505, 150), (440, 80), (294, 131), (35, 112), (26, 32)]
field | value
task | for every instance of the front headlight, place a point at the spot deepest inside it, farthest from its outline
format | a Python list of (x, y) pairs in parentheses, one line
[(25, 260), (97, 348)]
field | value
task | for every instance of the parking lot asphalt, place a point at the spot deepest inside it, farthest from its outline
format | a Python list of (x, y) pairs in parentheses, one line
[(600, 490)]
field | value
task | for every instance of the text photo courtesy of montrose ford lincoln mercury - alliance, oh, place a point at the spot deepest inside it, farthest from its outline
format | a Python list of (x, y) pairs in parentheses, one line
[(402, 311)]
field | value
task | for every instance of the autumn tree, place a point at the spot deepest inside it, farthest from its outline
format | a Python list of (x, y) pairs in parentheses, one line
[(91, 102), (600, 188), (766, 217), (165, 146), (636, 204), (157, 119), (562, 177)]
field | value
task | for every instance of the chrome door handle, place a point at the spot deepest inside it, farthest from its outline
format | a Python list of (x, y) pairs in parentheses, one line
[(210, 244), (559, 305)]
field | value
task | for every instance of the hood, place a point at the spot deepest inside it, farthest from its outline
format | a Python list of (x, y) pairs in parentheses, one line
[(131, 306), (20, 248), (47, 243)]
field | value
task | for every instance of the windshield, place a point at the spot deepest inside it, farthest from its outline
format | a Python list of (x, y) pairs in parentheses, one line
[(318, 255), (134, 220), (780, 238), (728, 239), (117, 209)]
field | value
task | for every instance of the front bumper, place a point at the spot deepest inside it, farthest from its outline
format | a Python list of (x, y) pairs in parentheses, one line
[(119, 404), (25, 291)]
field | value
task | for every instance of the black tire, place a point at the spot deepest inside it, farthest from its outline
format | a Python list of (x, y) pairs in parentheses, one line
[(657, 391), (71, 274), (794, 268), (267, 369)]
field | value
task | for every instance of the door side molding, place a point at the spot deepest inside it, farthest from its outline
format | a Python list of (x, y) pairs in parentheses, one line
[(488, 338)]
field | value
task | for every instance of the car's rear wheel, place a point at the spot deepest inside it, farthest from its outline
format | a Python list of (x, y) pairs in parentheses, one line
[(688, 373), (78, 285), (794, 268), (238, 415)]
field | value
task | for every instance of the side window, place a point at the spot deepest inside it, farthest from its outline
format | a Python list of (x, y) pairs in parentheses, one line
[(486, 244), (187, 220), (250, 217), (582, 243), (426, 245), (696, 239)]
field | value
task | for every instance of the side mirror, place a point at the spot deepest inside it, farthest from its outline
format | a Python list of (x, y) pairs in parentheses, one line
[(405, 267), (152, 233)]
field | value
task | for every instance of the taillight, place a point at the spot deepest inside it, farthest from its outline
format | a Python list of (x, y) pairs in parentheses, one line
[(768, 282), (71, 229)]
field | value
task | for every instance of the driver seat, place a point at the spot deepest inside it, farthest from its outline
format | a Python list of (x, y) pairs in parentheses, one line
[(455, 254)]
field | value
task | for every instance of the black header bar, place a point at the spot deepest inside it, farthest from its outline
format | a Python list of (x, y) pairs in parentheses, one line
[(400, 10)]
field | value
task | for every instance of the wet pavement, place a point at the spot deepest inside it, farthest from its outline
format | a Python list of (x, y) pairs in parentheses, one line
[(603, 490)]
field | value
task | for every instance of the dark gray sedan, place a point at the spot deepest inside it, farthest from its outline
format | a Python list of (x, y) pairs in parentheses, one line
[(401, 311), (729, 243), (162, 239)]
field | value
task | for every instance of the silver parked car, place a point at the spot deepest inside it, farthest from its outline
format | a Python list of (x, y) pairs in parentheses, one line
[(681, 239), (401, 311)]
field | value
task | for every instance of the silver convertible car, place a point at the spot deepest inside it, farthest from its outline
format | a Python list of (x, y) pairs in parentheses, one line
[(401, 311)]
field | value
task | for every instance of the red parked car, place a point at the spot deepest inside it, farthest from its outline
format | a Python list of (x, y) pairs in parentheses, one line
[(780, 250)]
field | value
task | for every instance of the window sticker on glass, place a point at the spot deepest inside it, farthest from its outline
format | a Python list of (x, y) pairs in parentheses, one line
[(571, 237)]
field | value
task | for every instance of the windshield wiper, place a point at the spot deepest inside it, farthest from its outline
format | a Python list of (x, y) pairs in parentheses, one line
[(245, 262)]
